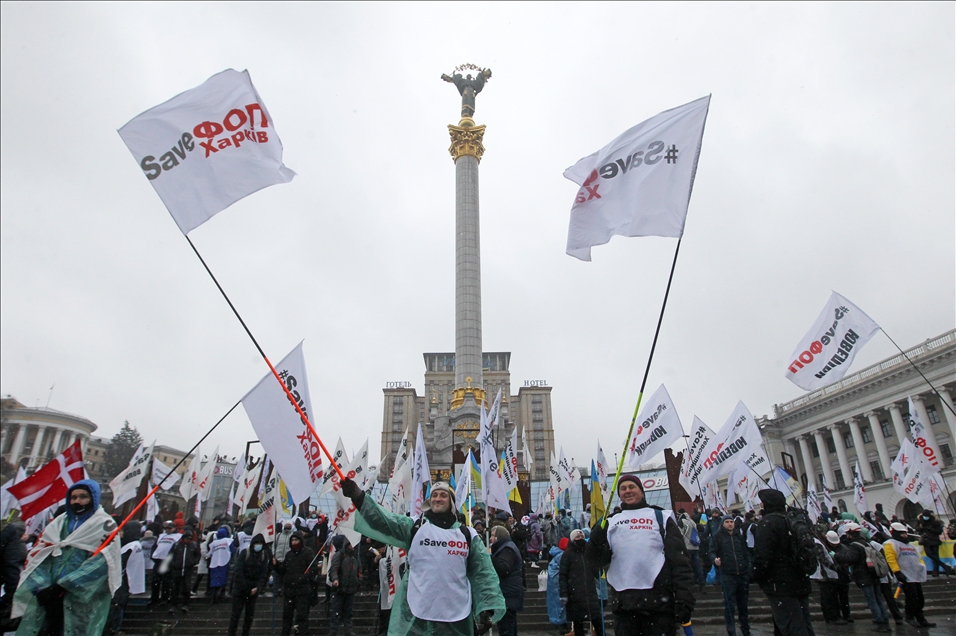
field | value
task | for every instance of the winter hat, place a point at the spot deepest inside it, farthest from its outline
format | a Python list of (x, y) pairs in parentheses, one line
[(563, 544), (631, 478), (577, 534), (898, 527), (148, 534), (444, 485), (725, 518), (502, 515), (222, 533), (772, 500), (833, 537)]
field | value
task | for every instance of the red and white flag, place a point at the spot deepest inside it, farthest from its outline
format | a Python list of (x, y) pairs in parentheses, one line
[(692, 464), (657, 426), (291, 446), (640, 183), (827, 351), (48, 485), (738, 441), (208, 147), (191, 477)]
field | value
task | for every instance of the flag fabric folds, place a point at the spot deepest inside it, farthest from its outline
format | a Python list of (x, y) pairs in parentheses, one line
[(827, 351), (921, 439), (208, 147), (738, 440), (291, 445), (813, 503), (160, 472), (493, 489), (7, 501), (692, 464), (421, 476), (191, 477), (597, 496), (125, 485), (48, 486), (640, 183), (859, 491), (603, 470), (203, 486), (658, 426)]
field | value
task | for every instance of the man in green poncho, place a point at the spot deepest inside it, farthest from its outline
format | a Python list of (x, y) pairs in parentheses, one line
[(450, 581), (62, 589)]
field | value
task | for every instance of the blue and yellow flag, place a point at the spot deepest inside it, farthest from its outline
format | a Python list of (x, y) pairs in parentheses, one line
[(597, 497)]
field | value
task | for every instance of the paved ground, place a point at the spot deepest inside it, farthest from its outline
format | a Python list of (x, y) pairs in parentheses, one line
[(945, 626)]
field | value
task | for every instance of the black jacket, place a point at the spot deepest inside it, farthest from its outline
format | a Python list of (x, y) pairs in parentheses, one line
[(252, 569), (506, 559), (731, 549), (578, 584), (185, 557), (853, 554), (344, 569), (774, 567), (929, 531), (295, 579), (673, 587)]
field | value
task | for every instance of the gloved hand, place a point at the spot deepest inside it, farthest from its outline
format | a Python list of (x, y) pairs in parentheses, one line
[(50, 594), (484, 622), (599, 534), (682, 613), (900, 576), (352, 490)]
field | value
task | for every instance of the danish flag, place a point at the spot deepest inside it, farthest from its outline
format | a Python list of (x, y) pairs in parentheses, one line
[(48, 486)]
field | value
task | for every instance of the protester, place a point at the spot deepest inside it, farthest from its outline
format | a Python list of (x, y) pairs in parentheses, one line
[(834, 580), (930, 528), (388, 582), (536, 541), (521, 534), (853, 554), (252, 573), (134, 576), (298, 577), (13, 553), (776, 570), (556, 612), (907, 566), (220, 555), (548, 533), (647, 564), (185, 556), (445, 588), (244, 536), (565, 524), (344, 576), (63, 590), (509, 566), (160, 587), (578, 587), (728, 551), (692, 543), (202, 569)]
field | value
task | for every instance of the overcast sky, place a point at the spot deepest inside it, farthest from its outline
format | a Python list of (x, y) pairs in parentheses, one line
[(827, 163)]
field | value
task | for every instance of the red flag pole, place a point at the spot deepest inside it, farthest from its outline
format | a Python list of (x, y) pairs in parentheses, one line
[(262, 353)]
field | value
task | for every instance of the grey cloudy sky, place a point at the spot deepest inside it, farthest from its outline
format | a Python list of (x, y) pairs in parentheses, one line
[(827, 163)]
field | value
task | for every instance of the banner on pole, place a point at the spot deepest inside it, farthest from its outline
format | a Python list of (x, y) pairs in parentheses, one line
[(208, 147), (658, 425), (125, 485), (738, 441), (692, 464), (47, 487)]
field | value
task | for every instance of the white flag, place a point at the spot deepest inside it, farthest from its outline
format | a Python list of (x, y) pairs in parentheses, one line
[(248, 486), (602, 469), (7, 501), (737, 484), (159, 474), (188, 487), (268, 510), (493, 490), (291, 446), (401, 487), (916, 481), (558, 480), (401, 455), (640, 183), (692, 464), (712, 498), (657, 426), (239, 470), (921, 439), (936, 485), (344, 521), (203, 486), (208, 147), (509, 467), (567, 473), (859, 491), (463, 487), (125, 485), (827, 351), (232, 499), (902, 463), (421, 476), (827, 498), (813, 503), (340, 459), (358, 467), (526, 454), (738, 441)]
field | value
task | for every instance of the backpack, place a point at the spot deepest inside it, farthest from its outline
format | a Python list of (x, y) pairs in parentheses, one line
[(803, 551), (875, 560), (694, 535)]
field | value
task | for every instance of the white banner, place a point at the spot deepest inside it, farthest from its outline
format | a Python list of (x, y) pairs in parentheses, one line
[(401, 487), (737, 484), (916, 481), (421, 476), (291, 446), (7, 501), (738, 441), (160, 472), (204, 481), (640, 183), (208, 147), (827, 498), (827, 351), (526, 454), (247, 487), (859, 491), (603, 470), (125, 485), (509, 467), (813, 503), (921, 440), (692, 464), (493, 490), (463, 487), (657, 426), (902, 463), (568, 474), (712, 498), (341, 460), (191, 478)]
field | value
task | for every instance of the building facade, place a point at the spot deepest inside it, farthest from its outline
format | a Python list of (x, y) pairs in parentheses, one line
[(33, 436), (819, 437)]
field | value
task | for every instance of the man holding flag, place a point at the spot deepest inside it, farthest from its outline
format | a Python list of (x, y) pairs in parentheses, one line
[(450, 580)]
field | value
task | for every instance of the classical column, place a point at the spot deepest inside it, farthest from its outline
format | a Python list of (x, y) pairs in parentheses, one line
[(897, 418), (18, 441), (877, 430), (808, 462), (841, 455), (950, 418), (930, 434), (824, 459), (860, 449), (55, 445), (37, 444), (72, 440)]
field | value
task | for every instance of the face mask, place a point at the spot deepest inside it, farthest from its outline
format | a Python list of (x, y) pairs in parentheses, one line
[(81, 509), (257, 547), (579, 542)]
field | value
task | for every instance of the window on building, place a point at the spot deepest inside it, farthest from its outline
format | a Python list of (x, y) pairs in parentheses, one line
[(397, 417), (535, 408), (867, 434), (539, 434), (831, 445), (848, 440), (886, 428), (947, 453), (933, 415), (814, 451), (538, 425), (838, 478), (397, 408), (539, 445), (536, 399), (820, 480), (842, 505), (877, 470), (396, 400), (537, 417)]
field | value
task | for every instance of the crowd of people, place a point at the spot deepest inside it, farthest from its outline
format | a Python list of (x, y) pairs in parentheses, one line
[(644, 565)]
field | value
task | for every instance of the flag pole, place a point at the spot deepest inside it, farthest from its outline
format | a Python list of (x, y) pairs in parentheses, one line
[(262, 353), (647, 370), (161, 481), (944, 402)]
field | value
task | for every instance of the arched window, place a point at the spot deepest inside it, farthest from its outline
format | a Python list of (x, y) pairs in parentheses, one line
[(911, 512), (842, 505)]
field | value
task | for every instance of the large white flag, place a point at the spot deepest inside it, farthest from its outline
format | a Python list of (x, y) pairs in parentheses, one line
[(344, 521), (268, 509), (526, 454), (159, 475), (7, 501), (509, 467), (738, 441), (558, 481), (125, 485), (921, 439), (191, 478), (602, 469), (208, 147), (640, 183), (567, 472), (859, 490), (692, 464), (340, 459), (658, 425), (916, 482), (827, 351), (247, 487), (401, 455), (827, 498), (493, 490), (203, 486), (291, 446), (813, 503), (902, 463), (712, 498), (421, 475), (737, 484)]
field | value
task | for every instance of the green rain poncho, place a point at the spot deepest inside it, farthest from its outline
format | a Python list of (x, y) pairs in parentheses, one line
[(62, 558), (374, 521)]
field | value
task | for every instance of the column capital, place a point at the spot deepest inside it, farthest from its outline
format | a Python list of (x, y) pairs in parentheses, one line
[(870, 413), (834, 427), (916, 398), (850, 421), (892, 406), (466, 139)]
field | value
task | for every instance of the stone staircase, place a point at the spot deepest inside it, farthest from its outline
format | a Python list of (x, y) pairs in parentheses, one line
[(207, 620)]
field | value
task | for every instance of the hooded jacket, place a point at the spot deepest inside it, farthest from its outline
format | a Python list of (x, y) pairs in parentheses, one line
[(252, 568), (344, 568), (773, 566), (577, 583), (296, 580)]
